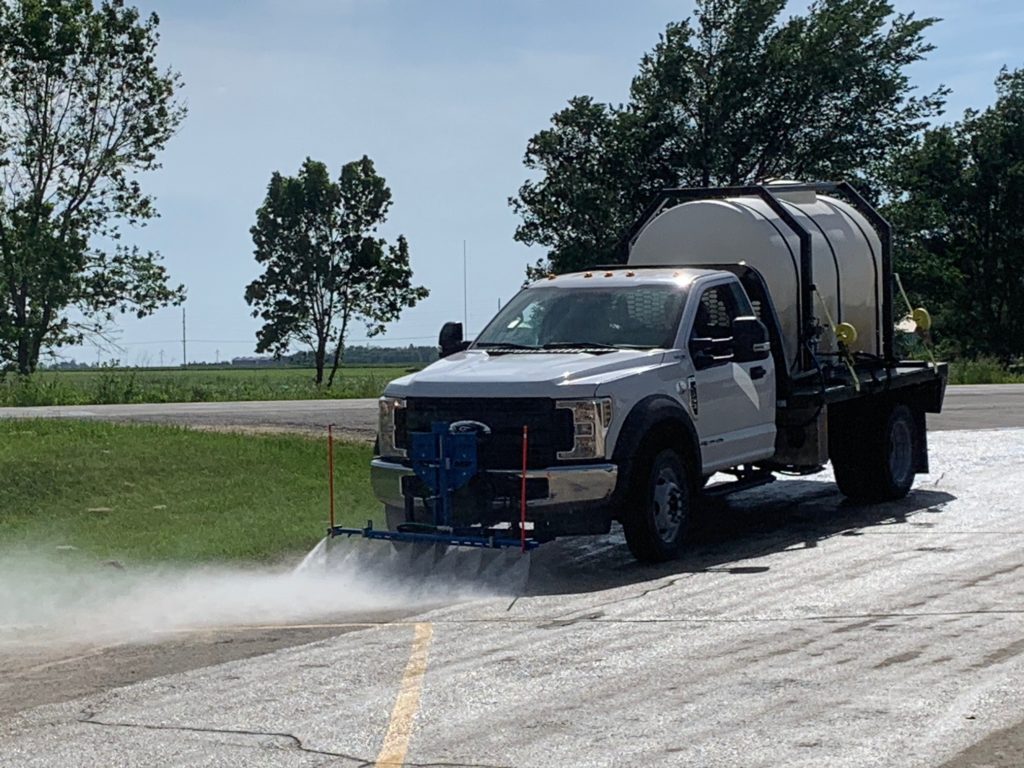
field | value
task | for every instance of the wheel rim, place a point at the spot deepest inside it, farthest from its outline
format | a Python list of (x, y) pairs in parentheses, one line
[(901, 452), (668, 504)]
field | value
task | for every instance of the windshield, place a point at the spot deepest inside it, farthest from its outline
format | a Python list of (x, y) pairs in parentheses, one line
[(629, 317)]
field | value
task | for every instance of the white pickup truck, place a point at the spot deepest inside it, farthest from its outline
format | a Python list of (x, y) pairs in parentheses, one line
[(751, 331)]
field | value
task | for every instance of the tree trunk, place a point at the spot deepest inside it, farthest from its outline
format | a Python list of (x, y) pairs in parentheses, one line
[(25, 364), (319, 358), (337, 362), (339, 351), (21, 324)]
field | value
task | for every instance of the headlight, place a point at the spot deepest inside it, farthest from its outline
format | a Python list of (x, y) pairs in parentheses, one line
[(590, 420), (389, 408)]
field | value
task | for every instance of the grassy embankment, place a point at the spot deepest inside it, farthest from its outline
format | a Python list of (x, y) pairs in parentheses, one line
[(138, 493), (193, 385), (983, 371)]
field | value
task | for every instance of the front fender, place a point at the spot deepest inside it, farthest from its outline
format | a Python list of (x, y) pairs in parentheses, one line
[(654, 416)]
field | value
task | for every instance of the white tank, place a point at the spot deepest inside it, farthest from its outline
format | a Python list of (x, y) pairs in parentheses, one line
[(846, 256)]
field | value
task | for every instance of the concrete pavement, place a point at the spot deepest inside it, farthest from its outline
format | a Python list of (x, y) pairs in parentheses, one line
[(799, 630)]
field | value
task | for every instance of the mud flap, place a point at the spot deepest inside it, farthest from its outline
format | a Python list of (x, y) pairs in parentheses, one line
[(921, 455)]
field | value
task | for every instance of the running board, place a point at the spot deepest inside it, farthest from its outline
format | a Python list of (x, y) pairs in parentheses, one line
[(720, 490)]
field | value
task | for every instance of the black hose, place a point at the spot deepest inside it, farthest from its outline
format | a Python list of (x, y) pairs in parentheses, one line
[(821, 378)]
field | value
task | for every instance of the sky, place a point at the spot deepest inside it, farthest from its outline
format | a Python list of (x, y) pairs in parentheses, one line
[(443, 95)]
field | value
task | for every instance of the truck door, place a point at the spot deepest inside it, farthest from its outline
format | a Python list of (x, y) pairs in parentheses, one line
[(732, 403)]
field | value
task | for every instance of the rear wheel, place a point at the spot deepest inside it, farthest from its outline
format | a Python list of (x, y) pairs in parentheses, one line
[(658, 509), (877, 463)]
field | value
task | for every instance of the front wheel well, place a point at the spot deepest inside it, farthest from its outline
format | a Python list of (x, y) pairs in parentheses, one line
[(672, 434), (651, 426)]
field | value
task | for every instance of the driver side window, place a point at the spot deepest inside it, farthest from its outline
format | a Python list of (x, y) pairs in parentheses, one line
[(711, 340)]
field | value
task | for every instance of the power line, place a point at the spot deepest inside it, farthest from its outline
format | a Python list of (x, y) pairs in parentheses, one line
[(252, 341)]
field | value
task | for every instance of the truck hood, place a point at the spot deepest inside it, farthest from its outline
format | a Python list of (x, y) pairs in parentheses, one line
[(477, 373)]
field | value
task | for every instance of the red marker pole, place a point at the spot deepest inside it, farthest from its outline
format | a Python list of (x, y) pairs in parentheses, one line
[(522, 494), (330, 468)]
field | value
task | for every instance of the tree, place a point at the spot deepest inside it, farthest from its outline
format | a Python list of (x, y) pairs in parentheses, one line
[(84, 110), (960, 224), (732, 97), (323, 264)]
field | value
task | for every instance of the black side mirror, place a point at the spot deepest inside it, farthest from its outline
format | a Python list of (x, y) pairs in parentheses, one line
[(750, 340), (450, 339)]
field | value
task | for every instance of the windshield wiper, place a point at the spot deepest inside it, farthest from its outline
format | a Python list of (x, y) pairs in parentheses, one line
[(578, 345), (502, 345)]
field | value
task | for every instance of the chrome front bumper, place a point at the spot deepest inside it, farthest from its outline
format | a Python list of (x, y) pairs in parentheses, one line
[(586, 484)]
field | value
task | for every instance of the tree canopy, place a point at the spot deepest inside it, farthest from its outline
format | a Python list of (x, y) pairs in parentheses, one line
[(959, 219), (731, 96), (84, 110), (324, 264)]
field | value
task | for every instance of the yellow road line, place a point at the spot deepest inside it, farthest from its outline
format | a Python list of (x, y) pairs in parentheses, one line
[(396, 740)]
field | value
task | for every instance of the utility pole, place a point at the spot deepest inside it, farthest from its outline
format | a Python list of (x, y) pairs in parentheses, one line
[(184, 355), (161, 358), (465, 310)]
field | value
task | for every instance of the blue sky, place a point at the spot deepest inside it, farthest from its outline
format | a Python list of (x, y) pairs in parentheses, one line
[(443, 95)]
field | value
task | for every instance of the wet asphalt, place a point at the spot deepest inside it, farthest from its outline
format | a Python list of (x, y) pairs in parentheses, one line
[(799, 630)]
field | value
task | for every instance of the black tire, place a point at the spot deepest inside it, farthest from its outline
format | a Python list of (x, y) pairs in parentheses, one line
[(878, 463), (658, 509)]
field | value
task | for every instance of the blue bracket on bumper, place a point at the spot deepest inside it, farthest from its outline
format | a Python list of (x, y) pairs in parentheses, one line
[(445, 460)]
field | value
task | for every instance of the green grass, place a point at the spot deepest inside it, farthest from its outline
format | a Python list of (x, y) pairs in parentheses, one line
[(982, 371), (170, 385), (153, 493)]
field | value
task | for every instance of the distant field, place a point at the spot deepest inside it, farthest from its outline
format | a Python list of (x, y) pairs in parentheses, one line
[(140, 493), (194, 385)]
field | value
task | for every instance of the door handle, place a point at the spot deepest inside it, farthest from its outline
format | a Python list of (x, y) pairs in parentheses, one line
[(758, 372)]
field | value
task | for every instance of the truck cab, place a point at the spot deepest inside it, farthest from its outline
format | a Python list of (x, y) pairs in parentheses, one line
[(591, 362)]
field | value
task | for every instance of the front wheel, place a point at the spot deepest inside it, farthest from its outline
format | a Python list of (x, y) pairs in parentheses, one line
[(658, 509)]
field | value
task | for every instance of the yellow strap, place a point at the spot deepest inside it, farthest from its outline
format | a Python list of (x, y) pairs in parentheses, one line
[(910, 309), (844, 356)]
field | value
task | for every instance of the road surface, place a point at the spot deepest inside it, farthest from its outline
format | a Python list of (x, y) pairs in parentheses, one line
[(967, 407), (356, 419), (799, 630)]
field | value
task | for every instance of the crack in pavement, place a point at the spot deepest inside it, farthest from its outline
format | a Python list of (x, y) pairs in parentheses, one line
[(593, 612), (593, 618), (89, 718)]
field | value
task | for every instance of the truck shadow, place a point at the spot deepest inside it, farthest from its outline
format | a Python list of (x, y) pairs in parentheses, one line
[(790, 515)]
